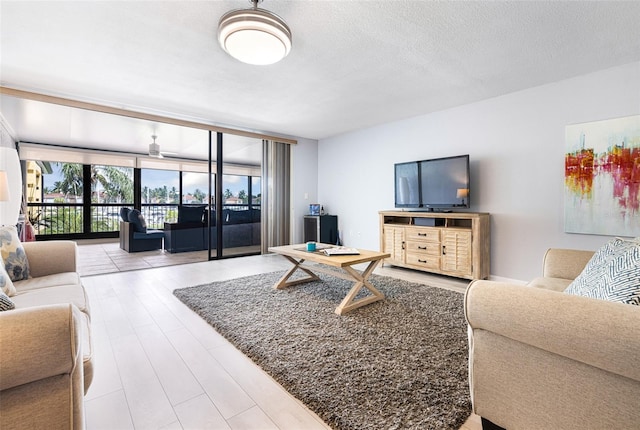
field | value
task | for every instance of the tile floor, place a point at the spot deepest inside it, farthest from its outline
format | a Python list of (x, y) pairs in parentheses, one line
[(105, 256), (159, 366)]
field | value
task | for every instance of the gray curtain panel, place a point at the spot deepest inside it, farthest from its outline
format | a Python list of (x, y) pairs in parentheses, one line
[(276, 188)]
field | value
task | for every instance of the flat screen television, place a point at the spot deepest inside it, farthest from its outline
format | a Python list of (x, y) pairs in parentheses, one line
[(438, 183)]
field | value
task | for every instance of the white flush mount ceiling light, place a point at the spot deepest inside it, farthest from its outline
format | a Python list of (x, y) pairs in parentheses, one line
[(254, 36)]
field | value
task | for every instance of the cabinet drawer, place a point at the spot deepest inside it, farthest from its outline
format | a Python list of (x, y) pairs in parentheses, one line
[(420, 234), (423, 261), (424, 247)]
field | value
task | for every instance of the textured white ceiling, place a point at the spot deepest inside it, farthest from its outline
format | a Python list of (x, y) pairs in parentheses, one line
[(353, 64)]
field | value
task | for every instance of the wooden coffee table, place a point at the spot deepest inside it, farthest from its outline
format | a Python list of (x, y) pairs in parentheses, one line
[(297, 254)]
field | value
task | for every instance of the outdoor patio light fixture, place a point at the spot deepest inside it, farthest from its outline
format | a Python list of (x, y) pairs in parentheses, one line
[(254, 36)]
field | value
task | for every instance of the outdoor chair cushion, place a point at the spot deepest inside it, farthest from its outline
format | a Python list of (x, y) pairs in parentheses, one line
[(190, 213), (137, 220), (238, 217), (124, 214), (149, 234)]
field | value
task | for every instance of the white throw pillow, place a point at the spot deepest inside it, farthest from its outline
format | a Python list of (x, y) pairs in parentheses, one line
[(613, 273)]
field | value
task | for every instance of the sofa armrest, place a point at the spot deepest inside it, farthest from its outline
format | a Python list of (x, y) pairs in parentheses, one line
[(564, 263), (38, 343), (51, 257), (596, 332)]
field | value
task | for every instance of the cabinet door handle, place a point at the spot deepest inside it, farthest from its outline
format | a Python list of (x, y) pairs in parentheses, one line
[(403, 245), (444, 250)]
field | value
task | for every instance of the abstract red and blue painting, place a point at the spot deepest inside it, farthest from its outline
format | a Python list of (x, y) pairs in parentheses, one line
[(602, 177)]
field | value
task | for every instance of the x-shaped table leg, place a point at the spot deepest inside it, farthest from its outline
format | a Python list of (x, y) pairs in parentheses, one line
[(360, 279), (297, 264), (349, 302)]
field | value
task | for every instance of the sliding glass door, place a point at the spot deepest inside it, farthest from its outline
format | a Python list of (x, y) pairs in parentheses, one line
[(240, 193)]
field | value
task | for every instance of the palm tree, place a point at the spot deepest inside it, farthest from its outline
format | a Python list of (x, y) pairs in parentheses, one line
[(97, 179), (199, 195), (146, 198), (227, 194), (71, 184), (173, 195), (118, 185), (164, 192)]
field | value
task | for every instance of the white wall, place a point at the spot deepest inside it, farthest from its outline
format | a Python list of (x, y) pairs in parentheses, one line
[(10, 163), (516, 145), (304, 183)]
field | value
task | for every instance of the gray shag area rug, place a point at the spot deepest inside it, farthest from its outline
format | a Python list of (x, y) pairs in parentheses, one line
[(400, 363)]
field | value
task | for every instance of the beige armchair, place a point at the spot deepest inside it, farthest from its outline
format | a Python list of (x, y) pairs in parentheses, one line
[(543, 359), (46, 360), (42, 381)]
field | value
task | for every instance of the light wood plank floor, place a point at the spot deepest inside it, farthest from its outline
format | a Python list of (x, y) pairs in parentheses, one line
[(159, 366)]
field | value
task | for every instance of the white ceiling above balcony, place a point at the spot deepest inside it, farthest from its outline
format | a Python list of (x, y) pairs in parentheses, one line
[(52, 124)]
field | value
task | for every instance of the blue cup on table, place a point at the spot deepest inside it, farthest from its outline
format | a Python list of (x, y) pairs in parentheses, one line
[(311, 246)]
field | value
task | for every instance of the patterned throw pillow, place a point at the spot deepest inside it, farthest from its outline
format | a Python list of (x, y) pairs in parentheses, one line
[(6, 285), (13, 255), (613, 273), (6, 304)]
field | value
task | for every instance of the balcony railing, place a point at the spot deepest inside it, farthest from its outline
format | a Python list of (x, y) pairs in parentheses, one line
[(53, 218), (68, 218)]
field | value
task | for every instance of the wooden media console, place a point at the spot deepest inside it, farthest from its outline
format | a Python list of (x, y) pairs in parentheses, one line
[(454, 244)]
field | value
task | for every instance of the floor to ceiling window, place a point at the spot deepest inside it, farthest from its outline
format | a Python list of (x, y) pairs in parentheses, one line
[(61, 204), (159, 196), (195, 188), (111, 189), (56, 201), (241, 210)]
